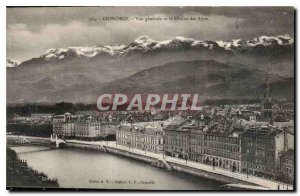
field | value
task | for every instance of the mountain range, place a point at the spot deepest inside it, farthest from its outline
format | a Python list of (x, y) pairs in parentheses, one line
[(214, 69), (145, 44)]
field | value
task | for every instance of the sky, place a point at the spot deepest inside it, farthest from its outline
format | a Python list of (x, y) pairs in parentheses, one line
[(31, 31)]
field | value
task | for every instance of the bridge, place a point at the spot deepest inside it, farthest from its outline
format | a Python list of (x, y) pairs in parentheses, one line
[(29, 140), (24, 140), (57, 141)]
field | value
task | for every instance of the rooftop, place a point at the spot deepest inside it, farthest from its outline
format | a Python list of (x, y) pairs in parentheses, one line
[(289, 154), (262, 131)]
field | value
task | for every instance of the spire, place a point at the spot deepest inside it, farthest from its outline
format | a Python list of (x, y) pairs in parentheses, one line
[(267, 102), (268, 86)]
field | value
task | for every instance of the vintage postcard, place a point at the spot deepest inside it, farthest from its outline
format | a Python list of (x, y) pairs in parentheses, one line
[(150, 98)]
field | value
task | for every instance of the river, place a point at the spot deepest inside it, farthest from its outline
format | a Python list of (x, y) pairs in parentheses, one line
[(85, 169)]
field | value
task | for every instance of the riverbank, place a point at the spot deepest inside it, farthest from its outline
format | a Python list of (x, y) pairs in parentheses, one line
[(180, 165), (193, 168), (76, 168), (20, 175)]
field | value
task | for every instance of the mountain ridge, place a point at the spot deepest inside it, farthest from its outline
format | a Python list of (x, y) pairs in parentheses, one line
[(208, 78), (145, 44)]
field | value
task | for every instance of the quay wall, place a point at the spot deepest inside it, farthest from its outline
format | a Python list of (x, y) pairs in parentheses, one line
[(93, 147), (132, 155), (111, 150), (207, 175)]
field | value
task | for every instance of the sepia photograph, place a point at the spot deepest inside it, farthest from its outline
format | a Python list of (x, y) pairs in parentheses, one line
[(142, 98)]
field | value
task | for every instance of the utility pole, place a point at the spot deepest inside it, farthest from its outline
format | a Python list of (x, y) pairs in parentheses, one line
[(247, 169), (145, 144), (186, 159), (131, 143)]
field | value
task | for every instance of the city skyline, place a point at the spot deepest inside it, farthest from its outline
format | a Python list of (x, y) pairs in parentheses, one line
[(194, 98)]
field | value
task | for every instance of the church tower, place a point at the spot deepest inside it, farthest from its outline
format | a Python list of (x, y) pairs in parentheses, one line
[(266, 110)]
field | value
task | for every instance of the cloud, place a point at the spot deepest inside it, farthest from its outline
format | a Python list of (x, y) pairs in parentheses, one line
[(31, 31), (77, 33)]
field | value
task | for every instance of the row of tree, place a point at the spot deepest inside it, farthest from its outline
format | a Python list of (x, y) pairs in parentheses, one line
[(58, 108), (38, 130)]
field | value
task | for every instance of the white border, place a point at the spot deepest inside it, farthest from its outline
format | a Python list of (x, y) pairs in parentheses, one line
[(5, 3), (152, 3)]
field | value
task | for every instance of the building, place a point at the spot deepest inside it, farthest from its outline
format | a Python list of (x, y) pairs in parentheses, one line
[(287, 169), (108, 129), (148, 136), (61, 125), (61, 118), (177, 141), (68, 129), (87, 128), (195, 142), (154, 137), (34, 118), (76, 127), (261, 148), (221, 151), (42, 117), (218, 150), (197, 145)]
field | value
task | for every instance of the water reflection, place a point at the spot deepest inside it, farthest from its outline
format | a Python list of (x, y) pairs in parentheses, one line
[(85, 169)]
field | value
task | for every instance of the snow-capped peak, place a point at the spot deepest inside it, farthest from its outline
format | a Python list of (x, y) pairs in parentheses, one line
[(281, 39), (145, 44), (54, 53), (224, 44), (56, 50), (184, 39), (144, 39), (261, 40), (96, 50), (61, 53), (12, 63)]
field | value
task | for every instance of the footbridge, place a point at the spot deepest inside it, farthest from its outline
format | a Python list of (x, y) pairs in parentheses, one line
[(26, 140)]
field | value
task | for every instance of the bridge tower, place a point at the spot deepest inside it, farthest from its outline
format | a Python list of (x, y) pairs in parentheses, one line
[(54, 140)]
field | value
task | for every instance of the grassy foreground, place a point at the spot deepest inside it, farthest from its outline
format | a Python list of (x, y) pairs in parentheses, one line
[(20, 175)]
